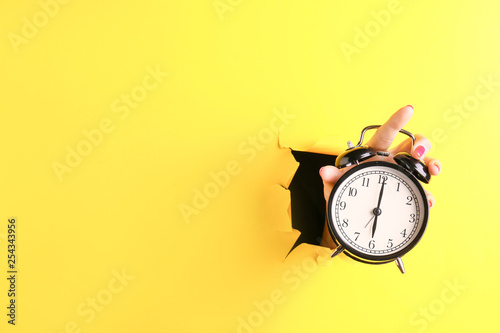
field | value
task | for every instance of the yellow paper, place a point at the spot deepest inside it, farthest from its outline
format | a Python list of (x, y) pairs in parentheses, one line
[(145, 161)]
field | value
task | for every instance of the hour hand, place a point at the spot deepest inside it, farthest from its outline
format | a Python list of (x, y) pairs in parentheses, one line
[(377, 211), (374, 227)]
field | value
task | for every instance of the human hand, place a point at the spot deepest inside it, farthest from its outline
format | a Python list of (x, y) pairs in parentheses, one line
[(381, 141)]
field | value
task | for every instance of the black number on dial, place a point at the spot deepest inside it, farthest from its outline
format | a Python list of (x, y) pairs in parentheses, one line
[(352, 191), (389, 243), (366, 182)]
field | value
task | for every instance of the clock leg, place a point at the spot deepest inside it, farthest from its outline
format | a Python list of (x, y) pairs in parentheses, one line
[(400, 265), (338, 250)]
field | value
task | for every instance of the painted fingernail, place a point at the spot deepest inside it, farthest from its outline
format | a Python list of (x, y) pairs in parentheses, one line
[(411, 106), (430, 204), (420, 150)]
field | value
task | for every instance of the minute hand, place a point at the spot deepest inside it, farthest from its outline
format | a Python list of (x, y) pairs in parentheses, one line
[(377, 210)]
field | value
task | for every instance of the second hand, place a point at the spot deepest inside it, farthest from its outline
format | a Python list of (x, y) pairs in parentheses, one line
[(369, 221)]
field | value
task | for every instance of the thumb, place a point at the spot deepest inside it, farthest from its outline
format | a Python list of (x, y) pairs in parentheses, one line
[(330, 176)]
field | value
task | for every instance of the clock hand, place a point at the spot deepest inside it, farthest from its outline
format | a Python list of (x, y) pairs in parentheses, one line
[(380, 195), (374, 226), (369, 221), (377, 211)]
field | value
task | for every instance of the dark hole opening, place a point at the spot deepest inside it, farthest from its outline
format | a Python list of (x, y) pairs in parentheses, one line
[(307, 200)]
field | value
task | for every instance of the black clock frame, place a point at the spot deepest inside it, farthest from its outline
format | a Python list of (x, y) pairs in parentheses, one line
[(363, 257)]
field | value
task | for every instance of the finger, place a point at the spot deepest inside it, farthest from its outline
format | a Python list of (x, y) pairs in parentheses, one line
[(421, 147), (383, 137), (430, 198), (330, 175), (418, 150), (434, 165)]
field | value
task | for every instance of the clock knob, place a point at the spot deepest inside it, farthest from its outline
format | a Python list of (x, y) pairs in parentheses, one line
[(354, 155), (414, 166)]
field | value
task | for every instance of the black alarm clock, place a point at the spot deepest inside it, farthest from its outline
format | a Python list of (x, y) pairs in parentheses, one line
[(378, 210)]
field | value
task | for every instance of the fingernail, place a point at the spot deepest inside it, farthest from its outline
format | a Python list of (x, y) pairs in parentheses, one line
[(420, 150), (411, 106), (430, 204), (438, 167), (321, 170)]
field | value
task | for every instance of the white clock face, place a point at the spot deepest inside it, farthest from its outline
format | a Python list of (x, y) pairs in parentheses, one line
[(377, 211)]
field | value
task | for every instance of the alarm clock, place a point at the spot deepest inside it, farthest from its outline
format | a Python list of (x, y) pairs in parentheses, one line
[(378, 210)]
